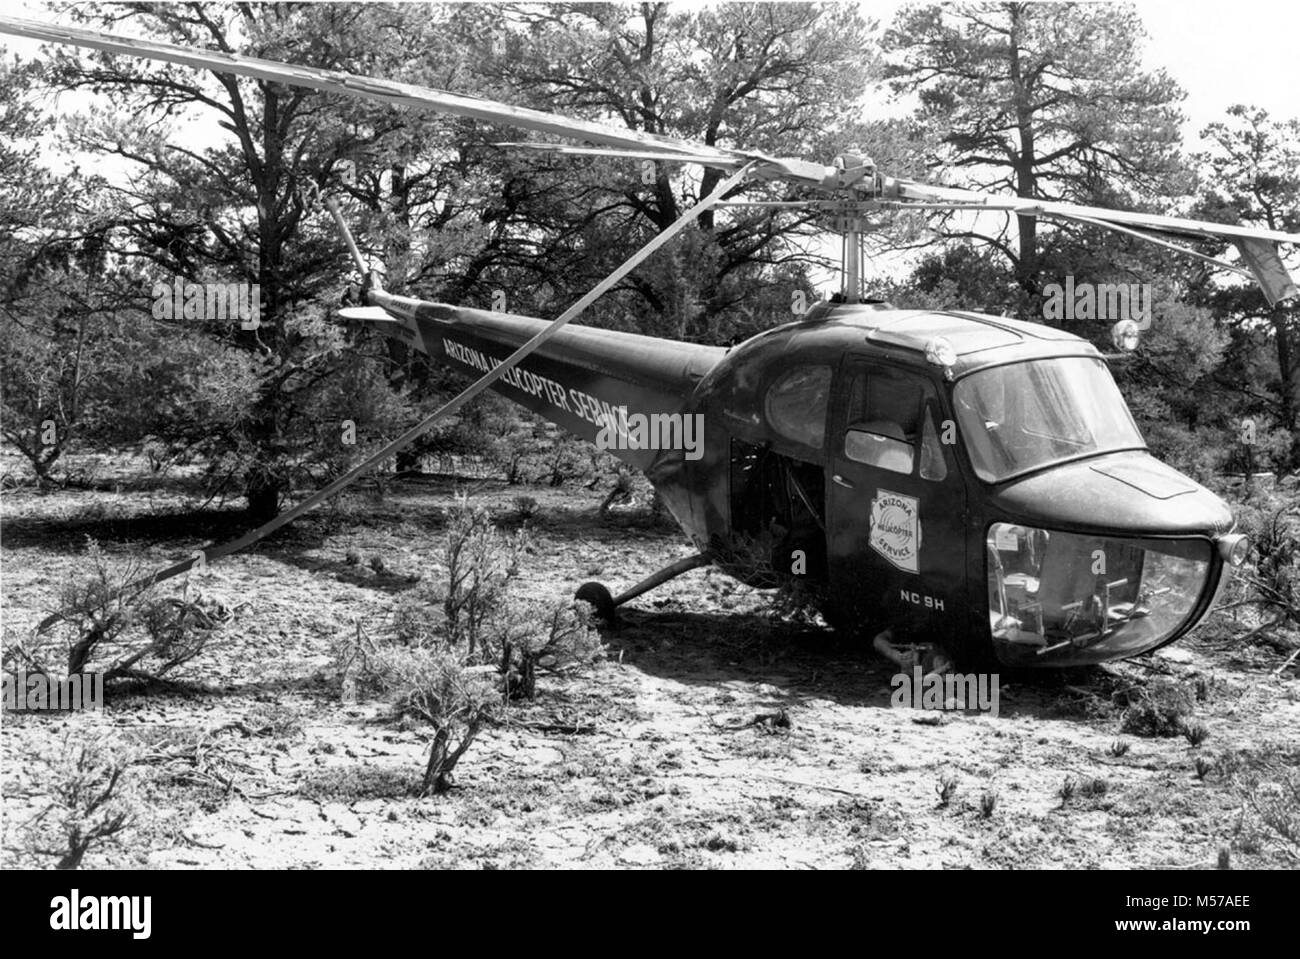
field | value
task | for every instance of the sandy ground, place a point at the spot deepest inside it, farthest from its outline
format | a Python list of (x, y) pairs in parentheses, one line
[(657, 757)]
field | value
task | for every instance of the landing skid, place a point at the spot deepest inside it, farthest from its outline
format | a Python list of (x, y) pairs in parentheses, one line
[(606, 605)]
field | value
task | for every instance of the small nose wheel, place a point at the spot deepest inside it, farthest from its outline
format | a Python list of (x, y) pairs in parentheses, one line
[(600, 599)]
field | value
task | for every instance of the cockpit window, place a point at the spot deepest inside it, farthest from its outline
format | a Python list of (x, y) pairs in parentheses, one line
[(890, 424), (796, 404), (1025, 416), (879, 449), (887, 396)]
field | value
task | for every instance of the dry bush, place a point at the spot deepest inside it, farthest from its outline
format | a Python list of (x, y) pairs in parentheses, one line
[(798, 600), (524, 638), (212, 763), (435, 684), (793, 599), (946, 788), (1160, 708), (622, 492), (988, 803), (1267, 782), (568, 459), (120, 631), (482, 613), (1275, 803), (1276, 580), (417, 619), (527, 508), (518, 639), (455, 700), (481, 561), (749, 558), (1269, 584), (437, 663), (87, 797)]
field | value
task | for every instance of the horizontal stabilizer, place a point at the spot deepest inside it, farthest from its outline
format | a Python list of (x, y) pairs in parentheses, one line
[(371, 314)]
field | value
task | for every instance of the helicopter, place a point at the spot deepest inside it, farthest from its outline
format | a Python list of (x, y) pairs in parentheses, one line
[(930, 473)]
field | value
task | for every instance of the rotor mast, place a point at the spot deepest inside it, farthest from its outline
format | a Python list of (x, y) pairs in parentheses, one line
[(854, 172), (851, 262)]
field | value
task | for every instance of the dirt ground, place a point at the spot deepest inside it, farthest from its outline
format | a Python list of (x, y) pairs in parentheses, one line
[(663, 755)]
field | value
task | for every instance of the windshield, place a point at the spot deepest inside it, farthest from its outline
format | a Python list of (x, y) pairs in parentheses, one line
[(1024, 416)]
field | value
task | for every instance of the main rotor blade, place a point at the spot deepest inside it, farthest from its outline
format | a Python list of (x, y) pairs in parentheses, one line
[(1265, 263), (1258, 247), (944, 198), (656, 155), (774, 204), (410, 95)]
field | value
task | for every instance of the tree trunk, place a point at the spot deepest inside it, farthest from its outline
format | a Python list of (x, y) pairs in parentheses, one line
[(263, 491), (1023, 162), (437, 771), (1286, 367)]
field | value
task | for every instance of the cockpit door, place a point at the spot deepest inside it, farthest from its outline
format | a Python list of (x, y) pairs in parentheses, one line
[(896, 503)]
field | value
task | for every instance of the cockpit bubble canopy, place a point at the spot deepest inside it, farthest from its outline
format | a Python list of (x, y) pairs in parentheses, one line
[(1025, 416)]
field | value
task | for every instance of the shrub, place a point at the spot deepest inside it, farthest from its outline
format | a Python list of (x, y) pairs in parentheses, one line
[(525, 638), (568, 459), (1271, 803), (438, 687), (453, 671), (946, 788), (1066, 792), (988, 803), (1160, 708), (1276, 579), (1195, 734), (797, 600), (1094, 788), (208, 763), (416, 619), (121, 629), (89, 798), (620, 494), (435, 684), (481, 562)]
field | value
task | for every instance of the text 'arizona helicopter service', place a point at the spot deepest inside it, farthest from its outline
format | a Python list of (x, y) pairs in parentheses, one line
[(937, 474)]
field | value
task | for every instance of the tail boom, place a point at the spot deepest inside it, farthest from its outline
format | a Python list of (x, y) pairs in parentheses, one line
[(581, 379)]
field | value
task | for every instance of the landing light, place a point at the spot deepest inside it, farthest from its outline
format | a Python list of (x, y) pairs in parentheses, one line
[(1234, 549), (940, 352), (1125, 335)]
